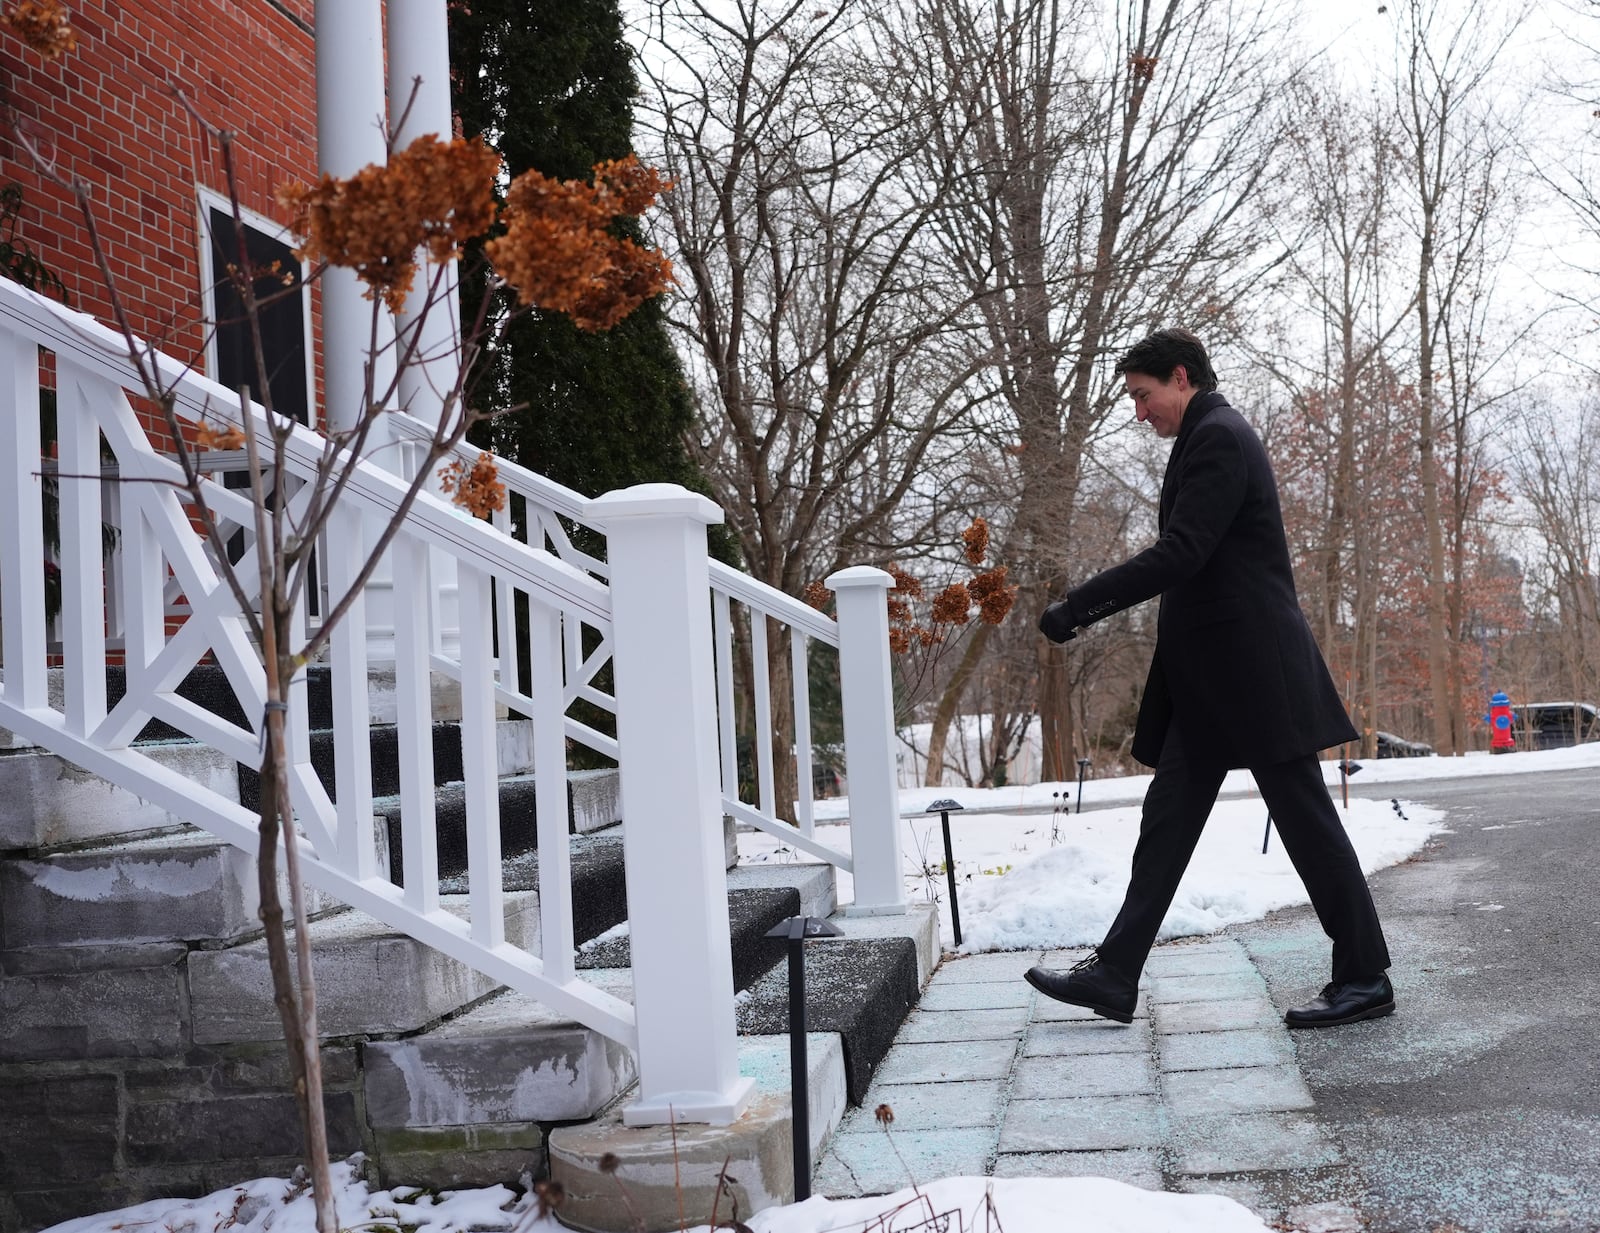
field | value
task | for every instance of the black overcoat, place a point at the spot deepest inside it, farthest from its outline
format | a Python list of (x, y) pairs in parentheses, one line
[(1236, 665)]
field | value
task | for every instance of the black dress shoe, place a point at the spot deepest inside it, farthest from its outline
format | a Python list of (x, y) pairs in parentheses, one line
[(1090, 984), (1344, 1002)]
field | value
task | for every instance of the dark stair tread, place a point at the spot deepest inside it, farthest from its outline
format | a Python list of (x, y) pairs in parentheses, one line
[(861, 988), (751, 913), (599, 883)]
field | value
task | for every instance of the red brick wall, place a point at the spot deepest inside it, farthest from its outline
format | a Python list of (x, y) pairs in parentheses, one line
[(107, 112)]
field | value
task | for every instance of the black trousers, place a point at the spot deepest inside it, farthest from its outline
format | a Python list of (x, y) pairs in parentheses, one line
[(1175, 810)]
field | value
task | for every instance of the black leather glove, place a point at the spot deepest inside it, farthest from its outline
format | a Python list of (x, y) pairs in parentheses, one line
[(1057, 622)]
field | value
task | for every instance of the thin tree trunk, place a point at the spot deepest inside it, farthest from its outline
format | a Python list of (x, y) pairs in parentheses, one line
[(297, 1008), (950, 702)]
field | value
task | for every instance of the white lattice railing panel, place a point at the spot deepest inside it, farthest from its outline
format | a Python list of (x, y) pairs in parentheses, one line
[(543, 513), (159, 601)]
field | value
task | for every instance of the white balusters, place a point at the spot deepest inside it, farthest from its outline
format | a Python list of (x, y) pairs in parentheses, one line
[(83, 625), (347, 667), (802, 730), (22, 528), (550, 792), (760, 670), (480, 763), (414, 724)]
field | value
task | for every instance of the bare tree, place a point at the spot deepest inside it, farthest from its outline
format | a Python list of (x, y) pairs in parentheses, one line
[(819, 325), (1456, 152), (1109, 186)]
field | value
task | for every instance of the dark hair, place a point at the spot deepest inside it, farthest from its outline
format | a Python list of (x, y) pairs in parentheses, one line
[(1165, 350)]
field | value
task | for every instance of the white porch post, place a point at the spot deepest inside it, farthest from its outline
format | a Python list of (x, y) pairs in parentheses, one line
[(351, 123), (419, 91), (350, 120), (867, 689), (671, 805)]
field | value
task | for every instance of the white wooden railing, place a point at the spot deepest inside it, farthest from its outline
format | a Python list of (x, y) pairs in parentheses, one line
[(545, 515), (647, 610)]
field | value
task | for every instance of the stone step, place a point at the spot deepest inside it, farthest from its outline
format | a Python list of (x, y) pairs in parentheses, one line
[(511, 1061), (93, 1002), (48, 802), (183, 887), (208, 686), (514, 756), (371, 980), (751, 913), (593, 804), (861, 986)]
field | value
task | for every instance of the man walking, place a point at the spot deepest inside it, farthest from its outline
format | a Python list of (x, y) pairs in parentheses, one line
[(1236, 681)]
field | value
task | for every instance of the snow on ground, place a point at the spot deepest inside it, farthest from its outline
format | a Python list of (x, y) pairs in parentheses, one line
[(1021, 1205), (1056, 879), (1131, 788)]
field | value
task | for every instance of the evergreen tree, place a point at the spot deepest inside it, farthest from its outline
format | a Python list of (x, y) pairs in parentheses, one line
[(550, 84)]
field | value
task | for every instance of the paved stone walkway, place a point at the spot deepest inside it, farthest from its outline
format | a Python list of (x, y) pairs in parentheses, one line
[(988, 1077)]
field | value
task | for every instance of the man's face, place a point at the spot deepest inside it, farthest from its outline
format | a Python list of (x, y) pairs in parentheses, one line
[(1160, 404)]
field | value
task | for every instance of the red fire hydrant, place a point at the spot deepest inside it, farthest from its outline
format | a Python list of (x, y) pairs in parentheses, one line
[(1499, 719)]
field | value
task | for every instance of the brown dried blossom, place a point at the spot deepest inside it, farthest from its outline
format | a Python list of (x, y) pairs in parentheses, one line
[(560, 252), (906, 583), (899, 639), (953, 605), (884, 1114), (434, 194), (1144, 67), (817, 595), (228, 437), (44, 26), (477, 489), (993, 597), (975, 541)]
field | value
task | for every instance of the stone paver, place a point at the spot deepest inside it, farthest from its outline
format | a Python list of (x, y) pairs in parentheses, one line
[(876, 1164), (1047, 1010), (922, 1026), (1004, 966), (1053, 1037), (1252, 1089), (1112, 1074), (1225, 985), (1178, 1017), (929, 1106), (948, 1062), (1248, 1143), (1135, 1166), (1225, 1050), (976, 995), (1201, 1091), (1082, 1124), (1198, 961)]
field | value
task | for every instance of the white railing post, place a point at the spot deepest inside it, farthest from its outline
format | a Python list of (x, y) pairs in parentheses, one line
[(671, 805), (867, 690)]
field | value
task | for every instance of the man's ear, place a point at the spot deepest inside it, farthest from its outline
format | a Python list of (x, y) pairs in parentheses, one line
[(1181, 372)]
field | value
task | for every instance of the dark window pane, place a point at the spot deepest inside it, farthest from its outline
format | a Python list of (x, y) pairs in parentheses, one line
[(283, 323)]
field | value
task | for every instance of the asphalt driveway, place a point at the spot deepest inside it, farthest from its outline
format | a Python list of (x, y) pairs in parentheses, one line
[(1477, 1105)]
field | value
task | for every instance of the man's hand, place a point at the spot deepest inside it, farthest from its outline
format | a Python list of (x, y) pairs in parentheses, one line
[(1057, 622)]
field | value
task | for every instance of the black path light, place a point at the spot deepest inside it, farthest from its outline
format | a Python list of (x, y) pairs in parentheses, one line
[(1083, 765), (795, 931), (943, 808), (1266, 835)]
